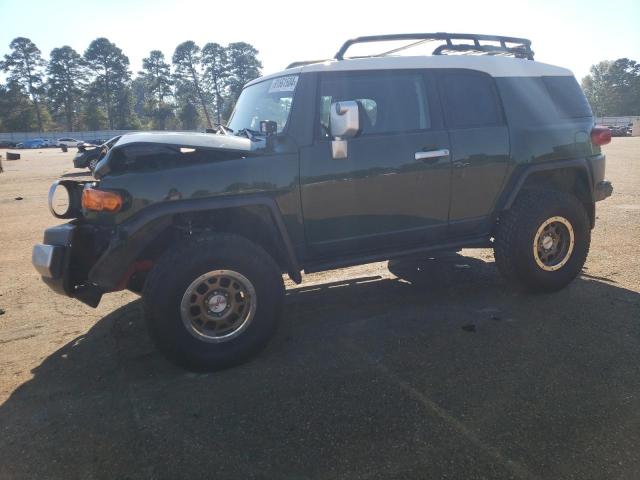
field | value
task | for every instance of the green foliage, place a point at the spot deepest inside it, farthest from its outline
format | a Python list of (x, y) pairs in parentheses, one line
[(187, 60), (613, 88), (156, 74), (216, 74), (154, 90), (244, 66), (95, 91), (110, 70), (25, 68), (67, 78), (189, 116), (17, 113)]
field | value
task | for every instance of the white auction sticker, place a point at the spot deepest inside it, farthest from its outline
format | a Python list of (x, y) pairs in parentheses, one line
[(284, 84)]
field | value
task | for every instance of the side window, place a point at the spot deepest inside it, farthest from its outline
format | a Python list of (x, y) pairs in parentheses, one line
[(567, 96), (391, 101), (469, 99)]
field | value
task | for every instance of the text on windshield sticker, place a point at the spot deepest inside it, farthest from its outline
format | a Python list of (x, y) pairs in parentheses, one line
[(284, 84)]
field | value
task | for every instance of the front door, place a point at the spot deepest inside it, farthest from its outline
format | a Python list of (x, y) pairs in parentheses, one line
[(392, 190)]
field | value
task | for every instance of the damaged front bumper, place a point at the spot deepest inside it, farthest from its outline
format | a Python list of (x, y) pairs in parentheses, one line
[(61, 261)]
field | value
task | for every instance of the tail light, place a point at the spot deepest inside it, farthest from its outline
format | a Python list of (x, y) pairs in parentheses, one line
[(101, 200), (600, 135)]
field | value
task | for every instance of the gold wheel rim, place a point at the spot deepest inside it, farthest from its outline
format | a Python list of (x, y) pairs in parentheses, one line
[(218, 306), (553, 243)]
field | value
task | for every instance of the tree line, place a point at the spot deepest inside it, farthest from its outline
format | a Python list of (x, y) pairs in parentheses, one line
[(196, 88), (613, 88)]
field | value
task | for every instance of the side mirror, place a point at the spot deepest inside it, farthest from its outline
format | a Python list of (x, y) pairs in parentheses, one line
[(345, 123)]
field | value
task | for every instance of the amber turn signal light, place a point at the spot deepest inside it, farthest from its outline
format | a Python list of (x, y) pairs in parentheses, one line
[(101, 200)]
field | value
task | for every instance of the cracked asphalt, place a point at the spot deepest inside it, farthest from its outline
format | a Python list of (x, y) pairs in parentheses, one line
[(414, 370)]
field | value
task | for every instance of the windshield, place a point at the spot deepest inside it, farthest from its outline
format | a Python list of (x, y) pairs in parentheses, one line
[(268, 100)]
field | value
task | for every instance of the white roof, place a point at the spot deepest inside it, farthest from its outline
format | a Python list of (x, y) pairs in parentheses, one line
[(495, 66)]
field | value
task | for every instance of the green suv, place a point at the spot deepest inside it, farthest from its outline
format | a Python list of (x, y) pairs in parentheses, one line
[(329, 164)]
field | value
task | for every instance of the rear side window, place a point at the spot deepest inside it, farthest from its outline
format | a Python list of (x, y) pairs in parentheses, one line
[(469, 100), (391, 101), (567, 96)]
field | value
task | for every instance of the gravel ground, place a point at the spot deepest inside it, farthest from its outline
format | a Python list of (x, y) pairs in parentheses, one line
[(438, 372)]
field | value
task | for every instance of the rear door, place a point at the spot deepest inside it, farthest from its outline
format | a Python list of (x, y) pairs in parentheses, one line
[(392, 190), (479, 147)]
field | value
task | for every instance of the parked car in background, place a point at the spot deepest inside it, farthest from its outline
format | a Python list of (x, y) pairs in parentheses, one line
[(34, 143), (67, 142), (89, 155), (619, 131)]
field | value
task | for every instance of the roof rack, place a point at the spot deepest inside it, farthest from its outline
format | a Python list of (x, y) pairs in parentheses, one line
[(302, 63), (519, 47)]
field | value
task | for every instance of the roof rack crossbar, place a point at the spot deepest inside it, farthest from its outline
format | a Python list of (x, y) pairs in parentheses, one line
[(521, 48)]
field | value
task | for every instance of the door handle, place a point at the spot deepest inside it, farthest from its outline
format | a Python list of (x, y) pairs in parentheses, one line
[(432, 154)]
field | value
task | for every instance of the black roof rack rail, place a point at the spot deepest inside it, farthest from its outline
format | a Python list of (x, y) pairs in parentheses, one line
[(302, 63), (520, 47)]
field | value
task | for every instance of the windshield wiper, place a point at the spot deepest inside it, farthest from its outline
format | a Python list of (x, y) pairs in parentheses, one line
[(250, 134)]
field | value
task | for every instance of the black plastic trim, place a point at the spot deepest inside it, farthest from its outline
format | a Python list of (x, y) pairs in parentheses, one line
[(330, 264), (519, 177), (522, 50), (135, 234)]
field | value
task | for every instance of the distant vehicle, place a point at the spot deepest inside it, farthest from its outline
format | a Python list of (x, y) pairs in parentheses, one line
[(89, 155), (34, 143), (67, 142), (7, 144), (618, 131)]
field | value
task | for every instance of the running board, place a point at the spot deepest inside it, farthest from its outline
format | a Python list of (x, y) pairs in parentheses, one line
[(331, 264)]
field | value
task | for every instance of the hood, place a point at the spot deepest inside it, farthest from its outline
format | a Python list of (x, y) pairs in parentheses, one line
[(187, 139), (172, 148)]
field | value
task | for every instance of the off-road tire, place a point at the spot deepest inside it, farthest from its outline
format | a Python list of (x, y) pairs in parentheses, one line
[(178, 268), (516, 231)]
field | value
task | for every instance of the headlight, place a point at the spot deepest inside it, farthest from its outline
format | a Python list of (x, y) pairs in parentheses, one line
[(64, 199)]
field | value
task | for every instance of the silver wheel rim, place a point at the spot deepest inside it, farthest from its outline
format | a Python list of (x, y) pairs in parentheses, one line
[(553, 243), (218, 306)]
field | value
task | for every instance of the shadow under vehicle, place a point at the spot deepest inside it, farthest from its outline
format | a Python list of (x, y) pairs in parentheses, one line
[(370, 377)]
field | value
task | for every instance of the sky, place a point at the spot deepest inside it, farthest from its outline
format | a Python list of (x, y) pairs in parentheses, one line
[(573, 34)]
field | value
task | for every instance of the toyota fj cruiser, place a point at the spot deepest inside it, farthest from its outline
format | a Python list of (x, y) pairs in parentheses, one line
[(329, 164)]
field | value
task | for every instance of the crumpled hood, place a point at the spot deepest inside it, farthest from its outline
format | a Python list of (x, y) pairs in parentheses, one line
[(136, 147), (187, 139)]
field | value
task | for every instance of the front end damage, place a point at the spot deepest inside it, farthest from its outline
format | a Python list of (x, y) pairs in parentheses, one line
[(93, 254)]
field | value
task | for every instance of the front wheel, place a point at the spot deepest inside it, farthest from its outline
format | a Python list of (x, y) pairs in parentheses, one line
[(542, 242), (213, 302)]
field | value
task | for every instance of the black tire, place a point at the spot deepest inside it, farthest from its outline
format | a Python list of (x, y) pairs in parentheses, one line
[(172, 275), (516, 232), (92, 164)]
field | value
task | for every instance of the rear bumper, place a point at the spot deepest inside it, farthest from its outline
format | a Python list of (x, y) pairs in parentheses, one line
[(603, 189)]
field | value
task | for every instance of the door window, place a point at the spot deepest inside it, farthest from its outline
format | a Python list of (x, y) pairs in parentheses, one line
[(391, 102)]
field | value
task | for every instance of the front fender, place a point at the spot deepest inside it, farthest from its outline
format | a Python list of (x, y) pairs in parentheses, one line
[(135, 234)]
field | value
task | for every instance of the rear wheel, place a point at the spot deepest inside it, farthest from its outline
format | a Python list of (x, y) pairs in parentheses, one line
[(92, 164), (542, 242), (213, 302)]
